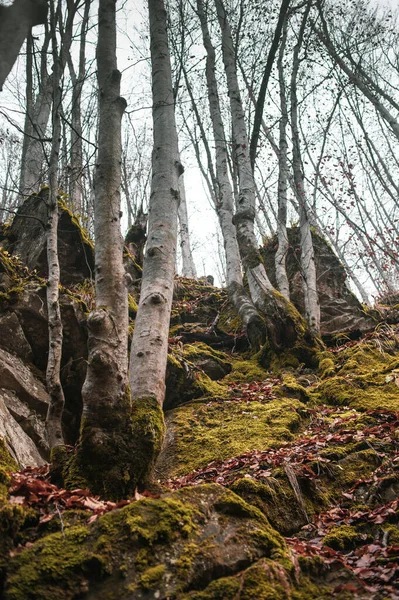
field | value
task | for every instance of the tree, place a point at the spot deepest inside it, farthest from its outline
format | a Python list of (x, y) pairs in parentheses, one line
[(151, 330), (105, 452), (283, 322)]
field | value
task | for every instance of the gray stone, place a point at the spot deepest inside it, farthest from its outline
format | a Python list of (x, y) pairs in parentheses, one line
[(12, 337), (19, 444)]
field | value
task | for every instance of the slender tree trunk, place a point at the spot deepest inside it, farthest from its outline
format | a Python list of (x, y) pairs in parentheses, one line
[(150, 339), (284, 323), (76, 155), (32, 164), (189, 269), (105, 454), (282, 236), (224, 200), (56, 406), (308, 265)]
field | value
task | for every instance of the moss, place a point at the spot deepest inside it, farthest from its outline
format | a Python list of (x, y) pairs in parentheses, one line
[(133, 308), (204, 432), (362, 376), (152, 578), (343, 537), (276, 499), (246, 371), (62, 203), (326, 366), (63, 560), (392, 533), (148, 432), (292, 389), (114, 459), (355, 466), (265, 580)]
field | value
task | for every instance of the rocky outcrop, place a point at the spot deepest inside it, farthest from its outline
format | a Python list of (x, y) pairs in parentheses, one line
[(340, 309), (23, 408), (26, 238)]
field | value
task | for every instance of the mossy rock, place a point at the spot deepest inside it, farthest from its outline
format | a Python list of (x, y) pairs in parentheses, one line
[(184, 381), (163, 547), (275, 497), (265, 580), (246, 371), (342, 538), (200, 432)]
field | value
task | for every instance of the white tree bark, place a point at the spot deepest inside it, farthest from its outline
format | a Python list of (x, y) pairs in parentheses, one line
[(224, 199), (105, 456), (54, 387), (150, 339), (282, 236), (189, 269), (283, 322), (308, 265)]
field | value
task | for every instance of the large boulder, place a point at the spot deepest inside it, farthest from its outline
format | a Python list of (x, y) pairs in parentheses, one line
[(26, 238), (153, 549), (339, 307)]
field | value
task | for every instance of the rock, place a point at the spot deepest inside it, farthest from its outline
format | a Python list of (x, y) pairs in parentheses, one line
[(31, 423), (16, 376), (340, 309), (31, 310), (19, 444), (26, 238), (152, 549), (12, 337)]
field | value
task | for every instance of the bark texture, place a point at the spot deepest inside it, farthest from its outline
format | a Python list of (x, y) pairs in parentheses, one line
[(105, 452), (283, 322), (253, 322), (282, 236), (189, 269), (150, 339), (308, 266), (54, 387)]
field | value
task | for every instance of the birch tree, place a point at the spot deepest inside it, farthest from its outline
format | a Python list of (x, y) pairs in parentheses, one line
[(54, 387), (283, 322), (223, 196), (151, 330), (105, 455)]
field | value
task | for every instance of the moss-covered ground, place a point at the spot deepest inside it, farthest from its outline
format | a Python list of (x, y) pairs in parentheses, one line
[(280, 480)]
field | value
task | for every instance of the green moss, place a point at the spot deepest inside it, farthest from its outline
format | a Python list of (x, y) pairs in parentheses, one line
[(355, 466), (206, 431), (246, 371), (62, 203), (58, 559), (343, 537), (292, 389), (152, 578), (326, 366), (133, 308), (362, 377), (392, 532)]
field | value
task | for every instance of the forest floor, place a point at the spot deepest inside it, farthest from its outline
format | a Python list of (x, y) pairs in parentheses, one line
[(315, 450)]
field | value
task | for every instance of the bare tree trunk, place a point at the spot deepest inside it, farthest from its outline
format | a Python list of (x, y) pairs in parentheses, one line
[(224, 202), (105, 454), (284, 323), (56, 406), (308, 265), (282, 236), (16, 21), (76, 160), (37, 118), (185, 245), (150, 339)]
